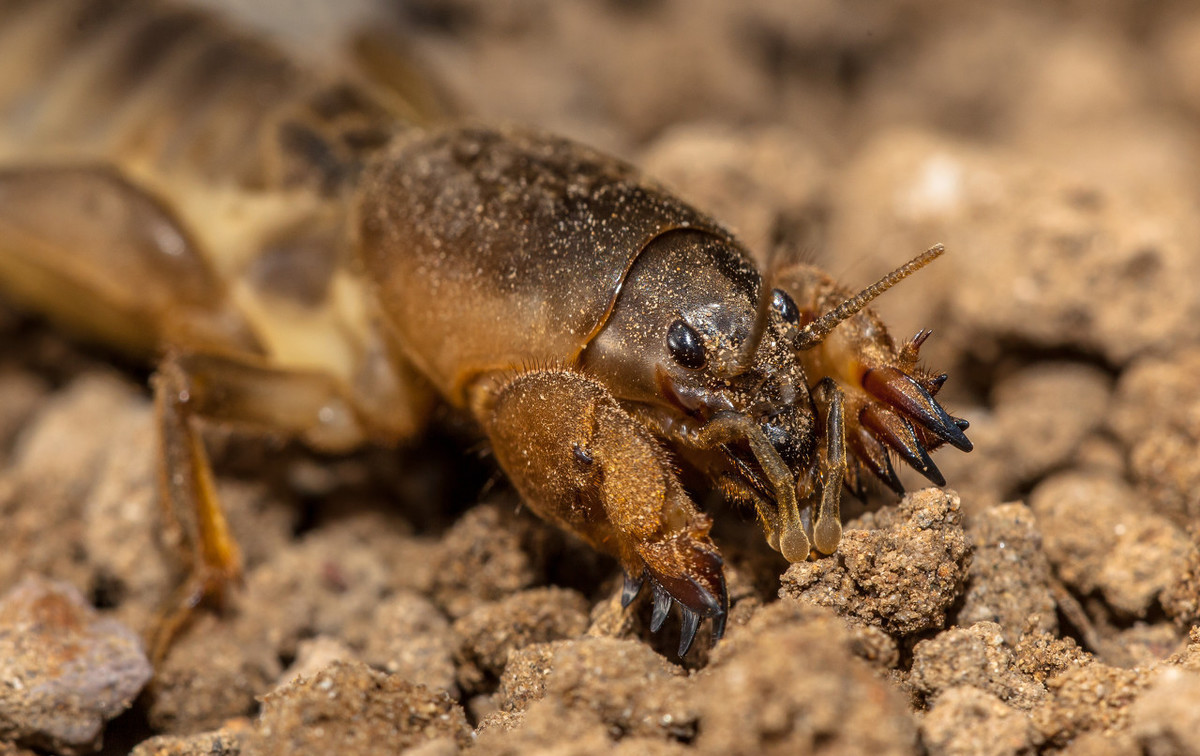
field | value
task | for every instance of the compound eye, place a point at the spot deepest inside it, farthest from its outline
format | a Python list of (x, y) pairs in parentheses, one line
[(685, 345), (784, 305)]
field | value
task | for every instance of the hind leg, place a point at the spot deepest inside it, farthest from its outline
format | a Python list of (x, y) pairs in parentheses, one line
[(108, 261), (191, 390)]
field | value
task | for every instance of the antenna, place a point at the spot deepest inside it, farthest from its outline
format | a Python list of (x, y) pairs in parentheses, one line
[(816, 331)]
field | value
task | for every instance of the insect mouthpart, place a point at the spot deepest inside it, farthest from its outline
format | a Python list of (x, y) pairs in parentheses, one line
[(695, 401), (784, 442), (749, 472)]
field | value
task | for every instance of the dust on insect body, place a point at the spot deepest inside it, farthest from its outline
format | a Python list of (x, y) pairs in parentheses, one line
[(347, 268)]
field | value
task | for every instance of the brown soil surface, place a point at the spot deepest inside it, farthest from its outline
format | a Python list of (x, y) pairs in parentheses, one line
[(396, 599)]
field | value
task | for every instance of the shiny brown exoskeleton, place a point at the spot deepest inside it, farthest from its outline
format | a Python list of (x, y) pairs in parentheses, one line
[(303, 258)]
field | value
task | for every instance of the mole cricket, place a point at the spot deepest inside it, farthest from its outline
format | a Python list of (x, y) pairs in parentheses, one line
[(311, 257)]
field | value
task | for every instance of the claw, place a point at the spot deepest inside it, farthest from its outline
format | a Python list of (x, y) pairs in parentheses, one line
[(718, 626), (873, 455), (902, 392), (691, 623), (662, 606), (911, 351), (856, 481), (936, 383), (893, 480), (699, 589), (896, 432), (696, 604), (630, 589), (691, 591)]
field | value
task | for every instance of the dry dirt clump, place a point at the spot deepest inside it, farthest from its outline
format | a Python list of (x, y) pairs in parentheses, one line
[(1158, 417), (965, 719), (1047, 601), (1084, 263), (411, 638), (902, 574), (1181, 600), (1103, 538), (1165, 718), (621, 684), (490, 633), (1009, 579), (345, 708), (745, 700), (977, 657), (65, 670), (788, 682), (349, 707)]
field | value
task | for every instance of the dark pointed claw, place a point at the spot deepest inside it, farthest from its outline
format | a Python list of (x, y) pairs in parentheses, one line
[(898, 433), (718, 626), (873, 455), (961, 423), (630, 589), (856, 477), (691, 623), (696, 602), (912, 350), (662, 605), (706, 569), (932, 473), (893, 480), (936, 382), (902, 392)]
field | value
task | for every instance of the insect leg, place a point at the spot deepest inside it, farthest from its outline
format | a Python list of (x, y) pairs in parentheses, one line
[(193, 389), (889, 398), (107, 260), (827, 533), (785, 528), (194, 516), (583, 463)]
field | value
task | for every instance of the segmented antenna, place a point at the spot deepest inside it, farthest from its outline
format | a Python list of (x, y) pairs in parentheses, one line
[(815, 332)]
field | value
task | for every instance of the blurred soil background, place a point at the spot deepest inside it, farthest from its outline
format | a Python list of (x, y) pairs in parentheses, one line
[(401, 601)]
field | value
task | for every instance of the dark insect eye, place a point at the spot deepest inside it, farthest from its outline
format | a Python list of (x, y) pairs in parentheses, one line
[(784, 305), (685, 345)]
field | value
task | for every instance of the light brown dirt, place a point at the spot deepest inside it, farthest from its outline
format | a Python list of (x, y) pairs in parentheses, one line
[(1049, 605)]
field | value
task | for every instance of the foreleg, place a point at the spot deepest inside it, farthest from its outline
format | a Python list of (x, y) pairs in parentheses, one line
[(889, 397), (582, 462)]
